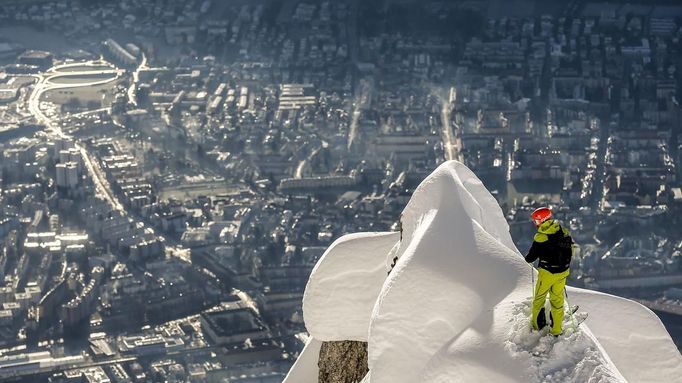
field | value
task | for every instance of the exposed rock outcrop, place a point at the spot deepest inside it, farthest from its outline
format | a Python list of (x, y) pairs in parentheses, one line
[(342, 362)]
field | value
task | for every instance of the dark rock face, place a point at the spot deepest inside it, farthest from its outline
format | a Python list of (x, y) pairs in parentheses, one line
[(343, 362)]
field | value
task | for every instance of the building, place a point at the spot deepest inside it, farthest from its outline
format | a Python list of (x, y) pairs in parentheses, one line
[(34, 363), (40, 59), (70, 155), (296, 96), (233, 322), (119, 53), (8, 95), (406, 146), (67, 175), (149, 345), (79, 308), (63, 144), (314, 185)]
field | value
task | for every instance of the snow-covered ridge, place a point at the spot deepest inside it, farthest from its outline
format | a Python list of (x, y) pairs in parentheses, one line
[(455, 307)]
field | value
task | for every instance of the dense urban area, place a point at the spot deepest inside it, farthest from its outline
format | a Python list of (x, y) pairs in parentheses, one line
[(171, 170)]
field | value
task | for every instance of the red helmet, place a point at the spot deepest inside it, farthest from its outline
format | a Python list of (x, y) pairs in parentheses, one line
[(540, 215)]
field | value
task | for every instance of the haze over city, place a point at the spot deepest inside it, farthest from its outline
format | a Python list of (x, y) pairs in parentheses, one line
[(171, 171)]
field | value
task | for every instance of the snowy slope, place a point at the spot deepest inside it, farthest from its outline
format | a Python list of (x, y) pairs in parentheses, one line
[(632, 335), (455, 308), (305, 369)]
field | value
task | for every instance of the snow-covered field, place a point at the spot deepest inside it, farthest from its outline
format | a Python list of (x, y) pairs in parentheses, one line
[(455, 308)]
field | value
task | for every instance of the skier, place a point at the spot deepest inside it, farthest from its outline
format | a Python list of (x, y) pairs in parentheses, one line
[(553, 245)]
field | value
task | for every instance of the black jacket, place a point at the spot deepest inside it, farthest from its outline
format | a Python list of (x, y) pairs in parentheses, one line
[(553, 245)]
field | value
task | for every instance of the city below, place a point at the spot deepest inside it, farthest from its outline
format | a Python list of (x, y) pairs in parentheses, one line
[(172, 170)]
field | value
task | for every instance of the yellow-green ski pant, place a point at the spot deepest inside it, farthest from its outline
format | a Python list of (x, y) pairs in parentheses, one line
[(554, 285)]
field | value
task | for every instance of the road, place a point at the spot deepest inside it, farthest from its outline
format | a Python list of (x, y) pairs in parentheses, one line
[(49, 79), (452, 144), (132, 98), (303, 164), (102, 187), (363, 96), (600, 172), (301, 168), (99, 179)]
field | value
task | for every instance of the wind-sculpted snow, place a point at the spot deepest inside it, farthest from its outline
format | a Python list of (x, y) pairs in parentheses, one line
[(455, 307), (334, 308)]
